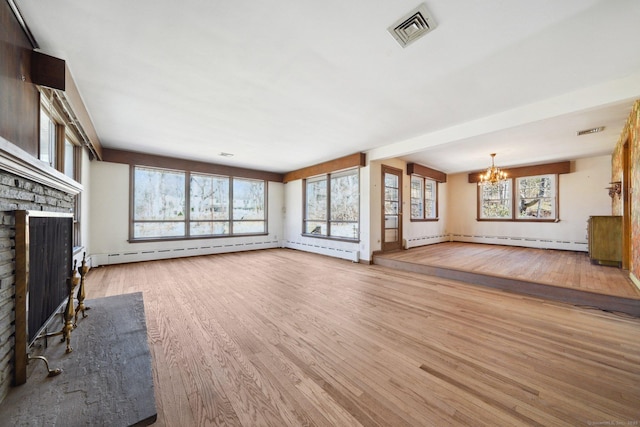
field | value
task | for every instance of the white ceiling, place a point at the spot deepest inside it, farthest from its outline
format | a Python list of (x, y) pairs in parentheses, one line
[(286, 84)]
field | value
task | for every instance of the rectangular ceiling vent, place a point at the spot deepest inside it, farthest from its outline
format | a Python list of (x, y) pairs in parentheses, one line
[(410, 28)]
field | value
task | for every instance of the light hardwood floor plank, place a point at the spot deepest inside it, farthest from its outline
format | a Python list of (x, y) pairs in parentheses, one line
[(287, 338)]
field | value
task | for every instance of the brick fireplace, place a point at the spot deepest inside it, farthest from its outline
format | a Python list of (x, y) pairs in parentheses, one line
[(25, 184)]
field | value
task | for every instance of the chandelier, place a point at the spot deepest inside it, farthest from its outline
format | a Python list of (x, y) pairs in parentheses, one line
[(493, 174)]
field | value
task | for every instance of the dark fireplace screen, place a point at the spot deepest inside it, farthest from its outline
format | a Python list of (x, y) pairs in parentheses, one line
[(50, 252), (44, 252)]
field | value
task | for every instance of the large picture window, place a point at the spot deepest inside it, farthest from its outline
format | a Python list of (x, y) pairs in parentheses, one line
[(209, 211), (164, 206), (332, 205), (159, 203), (530, 198), (248, 206), (424, 198)]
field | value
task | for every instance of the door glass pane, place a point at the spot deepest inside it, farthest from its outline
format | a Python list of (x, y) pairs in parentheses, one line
[(391, 235), (390, 222), (390, 180), (391, 207), (391, 193)]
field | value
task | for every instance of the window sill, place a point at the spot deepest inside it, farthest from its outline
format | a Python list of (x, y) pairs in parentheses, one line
[(425, 219)]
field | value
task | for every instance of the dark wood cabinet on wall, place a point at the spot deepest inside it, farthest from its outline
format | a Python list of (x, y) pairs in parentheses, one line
[(605, 240), (19, 97)]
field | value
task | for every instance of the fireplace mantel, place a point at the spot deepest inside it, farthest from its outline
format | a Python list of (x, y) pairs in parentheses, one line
[(17, 161)]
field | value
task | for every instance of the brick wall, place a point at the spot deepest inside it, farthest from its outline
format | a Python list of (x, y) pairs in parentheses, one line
[(17, 193)]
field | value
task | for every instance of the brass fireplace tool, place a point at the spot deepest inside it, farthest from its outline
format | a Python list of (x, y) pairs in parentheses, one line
[(69, 311), (50, 372), (68, 323), (83, 270)]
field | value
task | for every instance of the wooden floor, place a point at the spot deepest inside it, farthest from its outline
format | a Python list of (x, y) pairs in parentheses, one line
[(566, 269), (550, 274), (287, 338)]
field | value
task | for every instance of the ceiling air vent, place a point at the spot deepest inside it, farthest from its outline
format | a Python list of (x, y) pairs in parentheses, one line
[(410, 28), (590, 131)]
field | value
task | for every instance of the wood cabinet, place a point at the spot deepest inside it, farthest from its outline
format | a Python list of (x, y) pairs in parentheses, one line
[(605, 240)]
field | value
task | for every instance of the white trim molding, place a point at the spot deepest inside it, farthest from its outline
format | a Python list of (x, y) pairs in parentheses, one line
[(18, 162)]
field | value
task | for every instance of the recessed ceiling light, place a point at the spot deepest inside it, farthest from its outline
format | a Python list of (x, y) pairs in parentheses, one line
[(592, 130), (223, 154)]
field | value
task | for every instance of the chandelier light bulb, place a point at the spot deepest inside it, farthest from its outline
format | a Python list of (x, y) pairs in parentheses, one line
[(493, 174)]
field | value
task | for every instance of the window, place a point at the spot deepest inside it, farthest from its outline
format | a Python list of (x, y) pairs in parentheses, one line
[(58, 137), (424, 198), (248, 206), (496, 200), (159, 203), (209, 206), (60, 149), (69, 159), (534, 198), (47, 139), (332, 205), (209, 211)]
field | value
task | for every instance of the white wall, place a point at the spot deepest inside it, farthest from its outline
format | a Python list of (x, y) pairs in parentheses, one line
[(581, 193), (293, 216), (109, 224), (420, 233)]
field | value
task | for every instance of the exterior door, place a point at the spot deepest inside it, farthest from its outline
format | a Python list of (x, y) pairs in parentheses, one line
[(391, 208)]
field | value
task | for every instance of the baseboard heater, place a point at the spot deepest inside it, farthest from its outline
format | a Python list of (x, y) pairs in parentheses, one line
[(348, 254), (414, 242), (539, 243), (157, 254)]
